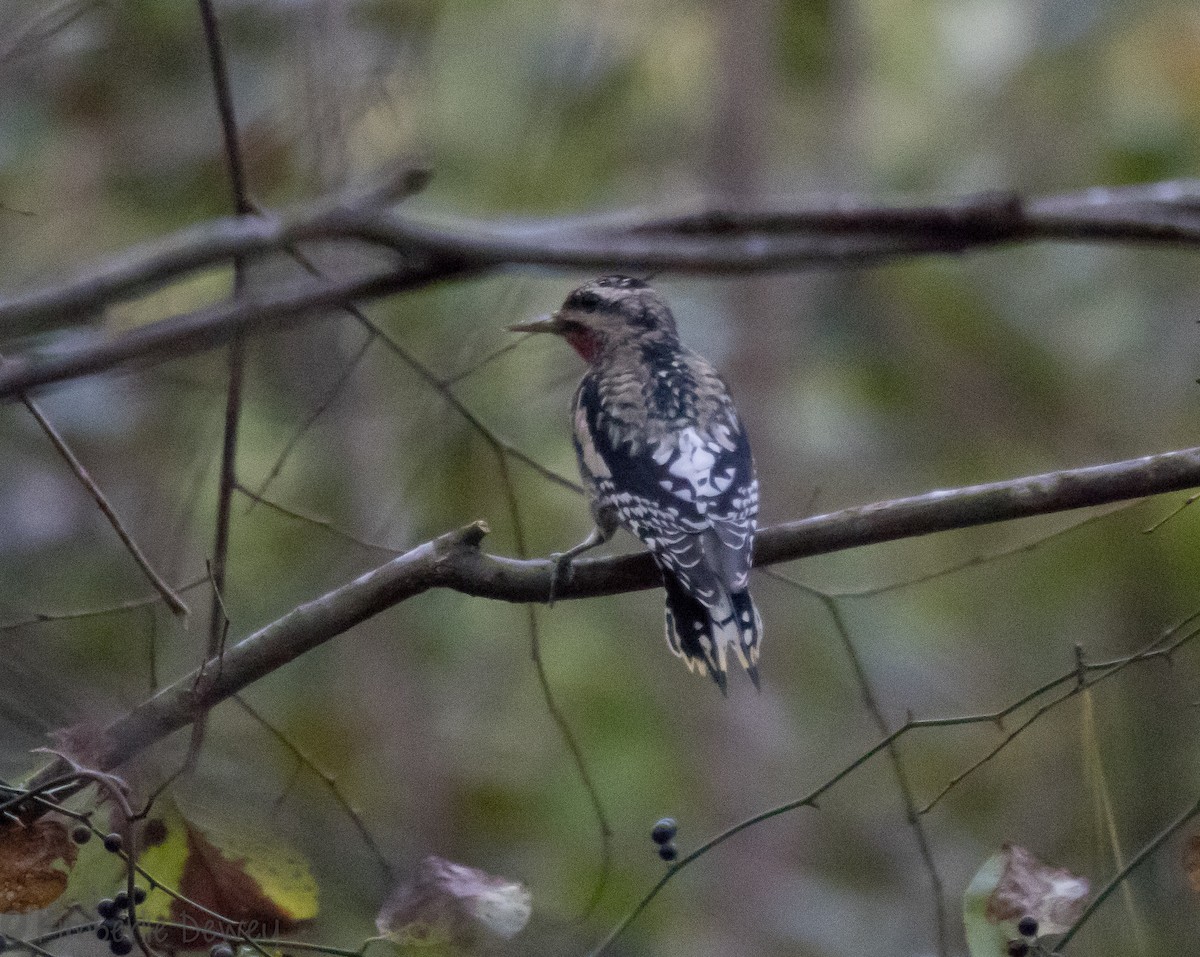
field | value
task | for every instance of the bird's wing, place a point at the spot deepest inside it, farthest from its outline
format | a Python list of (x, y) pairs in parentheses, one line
[(690, 496)]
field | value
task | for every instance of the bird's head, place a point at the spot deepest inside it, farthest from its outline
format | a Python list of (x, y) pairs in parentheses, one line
[(607, 313)]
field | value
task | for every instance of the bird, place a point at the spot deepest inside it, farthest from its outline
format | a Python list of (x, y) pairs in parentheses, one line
[(664, 455)]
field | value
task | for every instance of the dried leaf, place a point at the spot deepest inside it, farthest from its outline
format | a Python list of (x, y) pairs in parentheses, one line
[(1014, 884), (259, 885), (1053, 896), (30, 875), (454, 904)]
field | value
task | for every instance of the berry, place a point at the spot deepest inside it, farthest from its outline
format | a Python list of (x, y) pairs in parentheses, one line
[(1027, 926), (139, 895), (121, 946), (3, 943), (110, 930), (81, 834), (122, 901), (668, 852), (664, 831), (1018, 948), (113, 843), (221, 950), (107, 908)]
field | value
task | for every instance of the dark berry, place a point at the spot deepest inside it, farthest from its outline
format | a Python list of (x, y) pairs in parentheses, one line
[(139, 895), (1018, 948), (113, 843), (664, 831), (1027, 927), (121, 946), (221, 950), (154, 833), (81, 834), (668, 852), (3, 943), (110, 930), (122, 901), (107, 908)]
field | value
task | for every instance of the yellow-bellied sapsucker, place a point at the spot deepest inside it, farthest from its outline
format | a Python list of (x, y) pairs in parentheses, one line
[(663, 454)]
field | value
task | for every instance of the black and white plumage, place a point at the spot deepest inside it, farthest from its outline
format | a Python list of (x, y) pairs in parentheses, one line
[(663, 455)]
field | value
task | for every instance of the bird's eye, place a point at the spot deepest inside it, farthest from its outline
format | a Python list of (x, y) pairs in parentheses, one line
[(584, 299)]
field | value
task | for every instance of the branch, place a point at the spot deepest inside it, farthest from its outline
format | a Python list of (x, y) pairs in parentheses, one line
[(846, 233), (507, 579), (455, 561), (207, 328), (284, 640), (1119, 878), (218, 622)]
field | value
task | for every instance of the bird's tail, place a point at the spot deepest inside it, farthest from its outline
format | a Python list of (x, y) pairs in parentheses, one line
[(702, 636)]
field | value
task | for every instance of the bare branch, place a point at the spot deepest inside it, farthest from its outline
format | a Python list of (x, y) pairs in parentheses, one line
[(942, 510), (218, 620), (207, 328), (847, 233), (284, 640), (455, 561), (1143, 855), (43, 617)]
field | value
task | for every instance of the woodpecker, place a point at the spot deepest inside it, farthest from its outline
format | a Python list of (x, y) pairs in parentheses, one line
[(663, 455)]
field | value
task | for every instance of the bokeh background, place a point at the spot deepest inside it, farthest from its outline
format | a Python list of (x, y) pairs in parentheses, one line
[(856, 385)]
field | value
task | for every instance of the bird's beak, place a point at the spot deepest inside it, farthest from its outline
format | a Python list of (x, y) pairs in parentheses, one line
[(550, 323)]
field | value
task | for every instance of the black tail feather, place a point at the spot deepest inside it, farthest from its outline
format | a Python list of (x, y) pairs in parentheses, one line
[(702, 636)]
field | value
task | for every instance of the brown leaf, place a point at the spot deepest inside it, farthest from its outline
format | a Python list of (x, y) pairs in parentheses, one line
[(453, 903), (29, 853), (1053, 896), (220, 882)]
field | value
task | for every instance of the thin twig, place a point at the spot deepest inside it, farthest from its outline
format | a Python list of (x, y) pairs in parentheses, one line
[(450, 381), (871, 702), (975, 561), (168, 594), (906, 794), (218, 621), (1119, 878), (41, 618), (552, 707), (501, 451), (1107, 669), (443, 389), (314, 416), (330, 782), (320, 523)]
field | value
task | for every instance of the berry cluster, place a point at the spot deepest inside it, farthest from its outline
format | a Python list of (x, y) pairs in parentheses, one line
[(663, 834), (220, 950), (114, 922), (113, 843), (1027, 927)]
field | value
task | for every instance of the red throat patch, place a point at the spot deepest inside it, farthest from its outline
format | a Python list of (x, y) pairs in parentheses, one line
[(585, 342)]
